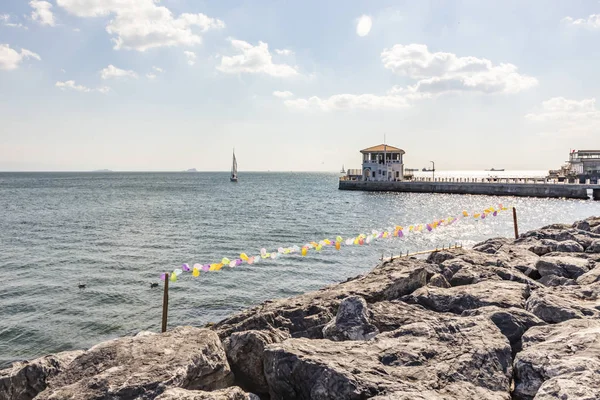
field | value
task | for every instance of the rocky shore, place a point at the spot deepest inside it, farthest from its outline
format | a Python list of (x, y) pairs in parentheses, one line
[(507, 319)]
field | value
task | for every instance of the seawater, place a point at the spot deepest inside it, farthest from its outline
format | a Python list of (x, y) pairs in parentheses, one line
[(116, 233)]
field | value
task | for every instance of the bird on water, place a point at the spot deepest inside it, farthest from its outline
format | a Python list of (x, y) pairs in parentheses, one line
[(153, 285)]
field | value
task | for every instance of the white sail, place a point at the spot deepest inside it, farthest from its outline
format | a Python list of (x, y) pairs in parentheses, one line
[(234, 168)]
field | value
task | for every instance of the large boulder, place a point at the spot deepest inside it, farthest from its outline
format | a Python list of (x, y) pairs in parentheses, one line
[(438, 280), (24, 380), (565, 266), (143, 366), (503, 294), (560, 360), (553, 280), (351, 322), (561, 303), (569, 246), (512, 322), (245, 355), (575, 386), (417, 358), (231, 393), (306, 315), (589, 277), (391, 315), (594, 247)]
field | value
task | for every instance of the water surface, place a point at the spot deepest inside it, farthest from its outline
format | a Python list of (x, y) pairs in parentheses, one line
[(115, 232)]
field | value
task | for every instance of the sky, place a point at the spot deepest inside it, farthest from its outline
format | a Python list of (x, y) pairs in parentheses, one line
[(143, 85)]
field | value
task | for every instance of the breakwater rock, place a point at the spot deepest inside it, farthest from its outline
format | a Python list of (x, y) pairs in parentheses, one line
[(507, 319)]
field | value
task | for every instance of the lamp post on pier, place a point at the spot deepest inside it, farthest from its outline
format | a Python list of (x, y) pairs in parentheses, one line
[(433, 169)]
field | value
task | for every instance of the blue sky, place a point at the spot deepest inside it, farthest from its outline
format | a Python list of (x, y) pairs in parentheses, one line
[(175, 84)]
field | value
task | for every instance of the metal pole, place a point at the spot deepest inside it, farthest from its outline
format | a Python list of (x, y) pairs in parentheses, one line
[(433, 170), (165, 303), (515, 222)]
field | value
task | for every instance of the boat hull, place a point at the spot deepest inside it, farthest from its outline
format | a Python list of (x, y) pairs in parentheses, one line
[(233, 179)]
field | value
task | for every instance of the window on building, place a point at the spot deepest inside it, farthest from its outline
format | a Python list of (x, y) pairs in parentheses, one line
[(373, 174)]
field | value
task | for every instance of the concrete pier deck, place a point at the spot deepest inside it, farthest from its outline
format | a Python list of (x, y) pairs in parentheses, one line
[(506, 188)]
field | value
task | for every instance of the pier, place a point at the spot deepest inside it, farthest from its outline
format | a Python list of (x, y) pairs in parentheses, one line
[(492, 187)]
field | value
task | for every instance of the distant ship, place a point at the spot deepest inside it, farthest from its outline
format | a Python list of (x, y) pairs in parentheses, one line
[(427, 170), (191, 170), (234, 172), (493, 169), (343, 171)]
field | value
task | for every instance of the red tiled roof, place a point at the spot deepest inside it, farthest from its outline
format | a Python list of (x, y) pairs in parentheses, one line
[(381, 148)]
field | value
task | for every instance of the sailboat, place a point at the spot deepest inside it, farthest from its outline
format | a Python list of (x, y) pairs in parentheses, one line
[(343, 171), (234, 174)]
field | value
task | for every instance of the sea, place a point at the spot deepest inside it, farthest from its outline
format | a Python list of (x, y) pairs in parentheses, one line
[(116, 233)]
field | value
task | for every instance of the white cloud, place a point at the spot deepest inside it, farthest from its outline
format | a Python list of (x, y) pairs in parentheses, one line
[(71, 85), (155, 72), (10, 58), (254, 60), (142, 24), (350, 101), (434, 73), (282, 95), (284, 52), (561, 109), (363, 25), (191, 57), (568, 117), (593, 21), (445, 72), (113, 72), (6, 21), (42, 12)]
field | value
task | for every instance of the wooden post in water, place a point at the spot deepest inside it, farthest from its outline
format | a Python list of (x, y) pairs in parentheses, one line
[(165, 303), (515, 222)]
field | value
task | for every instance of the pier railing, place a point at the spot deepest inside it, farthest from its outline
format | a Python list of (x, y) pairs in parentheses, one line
[(516, 180)]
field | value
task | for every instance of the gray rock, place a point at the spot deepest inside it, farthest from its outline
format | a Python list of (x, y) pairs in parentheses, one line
[(553, 280), (521, 259), (438, 280), (391, 315), (453, 391), (491, 246), (558, 358), (24, 380), (577, 385), (565, 266), (245, 355), (351, 322), (307, 314), (569, 246), (512, 322), (582, 226), (231, 393), (143, 366), (561, 303), (421, 357), (589, 277), (462, 271), (594, 247), (458, 299)]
